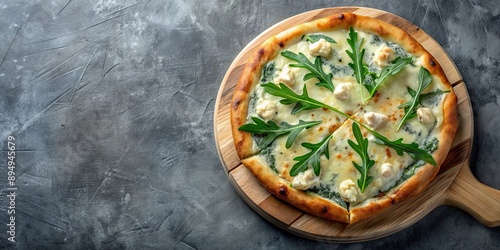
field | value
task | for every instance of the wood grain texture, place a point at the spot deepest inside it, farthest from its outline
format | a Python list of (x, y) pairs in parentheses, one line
[(398, 216), (477, 199)]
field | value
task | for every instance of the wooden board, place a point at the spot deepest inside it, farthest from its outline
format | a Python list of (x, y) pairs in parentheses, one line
[(454, 185)]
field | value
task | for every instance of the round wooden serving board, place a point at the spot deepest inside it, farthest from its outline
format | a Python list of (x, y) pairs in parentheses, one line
[(454, 185)]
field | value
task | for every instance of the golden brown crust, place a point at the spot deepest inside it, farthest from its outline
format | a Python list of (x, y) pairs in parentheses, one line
[(241, 98), (373, 206), (314, 204)]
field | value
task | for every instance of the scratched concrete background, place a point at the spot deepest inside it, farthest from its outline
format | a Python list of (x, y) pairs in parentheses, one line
[(111, 104)]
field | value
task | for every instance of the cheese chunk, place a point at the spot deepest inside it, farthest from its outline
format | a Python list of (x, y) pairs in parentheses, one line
[(348, 191), (266, 109), (341, 91), (305, 180), (386, 170), (320, 48), (383, 56), (286, 76), (424, 115), (375, 120)]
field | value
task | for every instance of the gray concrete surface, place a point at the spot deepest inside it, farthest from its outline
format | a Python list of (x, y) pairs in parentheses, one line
[(111, 106)]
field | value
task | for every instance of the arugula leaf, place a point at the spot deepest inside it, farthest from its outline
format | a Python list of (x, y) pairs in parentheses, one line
[(362, 149), (316, 69), (424, 80), (312, 158), (411, 149), (396, 65), (302, 102), (316, 37), (273, 130), (422, 97), (356, 56)]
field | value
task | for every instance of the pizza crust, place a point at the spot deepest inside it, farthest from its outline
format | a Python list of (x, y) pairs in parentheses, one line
[(314, 204)]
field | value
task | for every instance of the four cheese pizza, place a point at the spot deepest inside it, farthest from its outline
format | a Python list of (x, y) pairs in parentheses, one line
[(343, 116)]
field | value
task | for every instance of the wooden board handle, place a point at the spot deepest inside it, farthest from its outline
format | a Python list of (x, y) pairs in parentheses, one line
[(472, 196)]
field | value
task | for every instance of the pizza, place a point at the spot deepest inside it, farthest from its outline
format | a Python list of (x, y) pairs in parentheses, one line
[(343, 117)]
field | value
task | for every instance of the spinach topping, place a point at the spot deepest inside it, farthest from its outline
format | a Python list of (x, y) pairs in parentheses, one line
[(326, 191), (268, 154), (268, 73)]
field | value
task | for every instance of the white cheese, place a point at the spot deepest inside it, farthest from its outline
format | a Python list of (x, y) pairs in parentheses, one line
[(383, 56), (348, 191), (305, 180), (375, 120), (320, 48), (266, 109), (386, 170), (286, 76), (341, 91), (424, 115)]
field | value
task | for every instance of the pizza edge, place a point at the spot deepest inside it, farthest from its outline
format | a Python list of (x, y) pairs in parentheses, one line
[(251, 76), (311, 204)]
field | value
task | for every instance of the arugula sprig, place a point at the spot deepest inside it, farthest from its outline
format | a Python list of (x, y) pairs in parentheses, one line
[(366, 163), (356, 56), (396, 65), (423, 97), (273, 130), (361, 69), (316, 37), (410, 108), (304, 102), (412, 149), (312, 158), (315, 69)]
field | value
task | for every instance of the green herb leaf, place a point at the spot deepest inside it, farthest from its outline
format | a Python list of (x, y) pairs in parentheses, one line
[(273, 130), (316, 37), (312, 158), (422, 97), (366, 163), (302, 102), (396, 65), (356, 56), (424, 80), (316, 69), (411, 149)]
